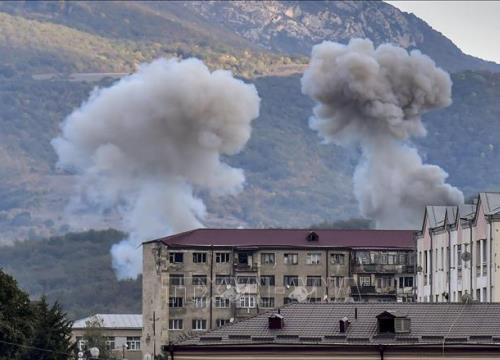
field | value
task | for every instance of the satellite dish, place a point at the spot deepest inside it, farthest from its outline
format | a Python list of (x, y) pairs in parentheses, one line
[(419, 268), (466, 256), (228, 286), (466, 298), (231, 320)]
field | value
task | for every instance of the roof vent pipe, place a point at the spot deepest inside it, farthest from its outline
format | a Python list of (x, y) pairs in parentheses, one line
[(355, 313), (343, 324)]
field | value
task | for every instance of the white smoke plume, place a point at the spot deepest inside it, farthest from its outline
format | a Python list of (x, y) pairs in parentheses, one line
[(146, 143), (374, 97)]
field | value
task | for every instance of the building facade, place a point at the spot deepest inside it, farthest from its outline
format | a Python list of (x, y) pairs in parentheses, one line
[(457, 252), (354, 331), (205, 278), (122, 331)]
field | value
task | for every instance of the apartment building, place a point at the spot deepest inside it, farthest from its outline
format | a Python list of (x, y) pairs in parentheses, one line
[(457, 252), (202, 279)]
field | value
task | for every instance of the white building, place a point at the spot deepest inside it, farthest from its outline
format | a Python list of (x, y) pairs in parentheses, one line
[(457, 252), (122, 331)]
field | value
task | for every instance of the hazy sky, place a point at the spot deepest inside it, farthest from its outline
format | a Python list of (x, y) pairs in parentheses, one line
[(474, 26)]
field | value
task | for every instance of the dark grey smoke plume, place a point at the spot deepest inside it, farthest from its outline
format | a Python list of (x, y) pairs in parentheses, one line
[(375, 98), (143, 144)]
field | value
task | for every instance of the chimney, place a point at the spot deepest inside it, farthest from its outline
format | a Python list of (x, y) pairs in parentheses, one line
[(276, 321), (355, 313), (343, 324)]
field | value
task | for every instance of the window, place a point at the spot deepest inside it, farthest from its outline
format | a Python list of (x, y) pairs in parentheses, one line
[(267, 302), (221, 303), (110, 342), (267, 280), (406, 281), (243, 258), (176, 257), (175, 324), (133, 342), (222, 257), (288, 300), (199, 324), (289, 280), (199, 257), (365, 281), (81, 343), (337, 259), (199, 280), (290, 259), (176, 280), (221, 322), (337, 281), (485, 250), (222, 279), (402, 325), (313, 281), (200, 302), (313, 258), (175, 302), (267, 258), (247, 301), (246, 280), (459, 256), (485, 295)]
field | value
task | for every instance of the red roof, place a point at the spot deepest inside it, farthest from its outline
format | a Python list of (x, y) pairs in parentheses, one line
[(403, 239)]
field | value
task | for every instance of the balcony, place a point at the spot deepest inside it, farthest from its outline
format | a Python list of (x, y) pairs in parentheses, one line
[(245, 267), (384, 268)]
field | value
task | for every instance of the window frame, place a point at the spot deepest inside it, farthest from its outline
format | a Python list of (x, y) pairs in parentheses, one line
[(171, 323), (267, 258), (222, 257), (199, 257), (291, 258)]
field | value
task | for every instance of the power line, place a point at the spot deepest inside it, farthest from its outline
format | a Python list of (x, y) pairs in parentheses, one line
[(72, 356)]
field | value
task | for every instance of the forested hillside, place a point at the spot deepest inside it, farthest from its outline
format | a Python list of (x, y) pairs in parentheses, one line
[(75, 270)]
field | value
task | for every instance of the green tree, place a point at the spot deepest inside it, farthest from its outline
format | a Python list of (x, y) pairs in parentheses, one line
[(94, 336), (16, 315), (52, 332)]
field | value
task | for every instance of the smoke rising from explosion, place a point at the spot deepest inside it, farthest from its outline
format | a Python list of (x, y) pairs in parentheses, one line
[(144, 144), (375, 97)]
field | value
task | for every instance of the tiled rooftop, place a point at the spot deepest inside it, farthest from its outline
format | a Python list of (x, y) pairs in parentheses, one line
[(289, 238), (306, 323)]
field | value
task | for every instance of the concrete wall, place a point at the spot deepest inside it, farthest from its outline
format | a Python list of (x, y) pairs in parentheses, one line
[(157, 289), (411, 354)]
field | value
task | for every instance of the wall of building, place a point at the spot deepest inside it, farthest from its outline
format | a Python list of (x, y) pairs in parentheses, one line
[(410, 354), (336, 283), (120, 339), (444, 272)]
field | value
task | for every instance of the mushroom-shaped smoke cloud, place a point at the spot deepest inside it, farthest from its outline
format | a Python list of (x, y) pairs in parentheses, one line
[(375, 97), (143, 145)]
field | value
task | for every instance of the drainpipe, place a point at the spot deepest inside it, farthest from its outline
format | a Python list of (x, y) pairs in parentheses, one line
[(171, 351), (431, 255), (490, 221), (327, 278), (211, 282), (449, 263), (471, 258), (381, 349)]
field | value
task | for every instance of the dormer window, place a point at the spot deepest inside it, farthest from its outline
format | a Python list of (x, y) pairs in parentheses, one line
[(392, 322), (402, 325)]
